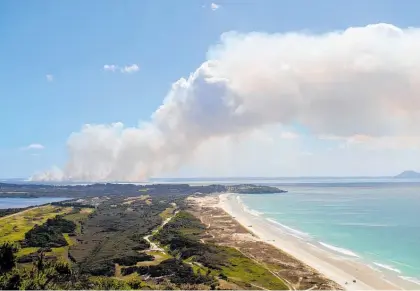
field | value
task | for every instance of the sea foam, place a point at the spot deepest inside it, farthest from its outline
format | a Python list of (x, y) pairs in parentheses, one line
[(411, 279), (340, 250), (387, 267), (246, 208), (291, 231)]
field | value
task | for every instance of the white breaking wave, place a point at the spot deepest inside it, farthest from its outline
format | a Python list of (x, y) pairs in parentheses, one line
[(246, 208), (340, 250), (291, 231), (387, 267), (402, 264), (411, 279)]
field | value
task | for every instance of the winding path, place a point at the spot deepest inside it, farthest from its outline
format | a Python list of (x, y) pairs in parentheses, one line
[(154, 246)]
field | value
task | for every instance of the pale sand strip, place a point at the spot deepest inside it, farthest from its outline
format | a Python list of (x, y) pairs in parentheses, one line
[(333, 266)]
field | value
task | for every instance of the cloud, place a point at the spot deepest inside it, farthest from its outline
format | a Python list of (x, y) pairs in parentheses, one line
[(111, 68), (130, 69), (363, 81), (49, 77), (380, 143), (289, 135), (214, 6), (125, 69), (34, 146)]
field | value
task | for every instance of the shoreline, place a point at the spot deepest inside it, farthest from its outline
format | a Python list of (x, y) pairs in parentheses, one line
[(329, 263)]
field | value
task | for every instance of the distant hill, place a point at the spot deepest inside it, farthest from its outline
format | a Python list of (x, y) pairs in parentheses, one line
[(408, 175)]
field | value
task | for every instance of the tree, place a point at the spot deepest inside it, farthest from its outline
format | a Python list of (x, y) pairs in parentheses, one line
[(44, 275), (7, 257)]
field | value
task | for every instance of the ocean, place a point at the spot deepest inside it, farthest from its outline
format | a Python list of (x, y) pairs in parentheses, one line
[(377, 222), (25, 202)]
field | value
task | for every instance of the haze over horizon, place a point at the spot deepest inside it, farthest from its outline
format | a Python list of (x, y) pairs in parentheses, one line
[(257, 99)]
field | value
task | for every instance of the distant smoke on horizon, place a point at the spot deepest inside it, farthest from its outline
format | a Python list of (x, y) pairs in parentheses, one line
[(360, 83)]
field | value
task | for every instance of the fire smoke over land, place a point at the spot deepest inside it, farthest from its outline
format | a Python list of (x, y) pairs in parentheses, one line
[(361, 83)]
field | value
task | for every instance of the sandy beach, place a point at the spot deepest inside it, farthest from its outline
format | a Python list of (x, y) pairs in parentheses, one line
[(350, 273)]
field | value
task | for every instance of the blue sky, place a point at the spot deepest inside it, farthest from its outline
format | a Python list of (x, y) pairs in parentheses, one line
[(73, 40)]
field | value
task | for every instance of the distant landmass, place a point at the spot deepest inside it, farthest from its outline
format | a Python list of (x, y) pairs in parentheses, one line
[(108, 189), (408, 175)]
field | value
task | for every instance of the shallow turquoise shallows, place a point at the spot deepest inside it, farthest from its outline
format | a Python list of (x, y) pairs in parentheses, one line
[(379, 222)]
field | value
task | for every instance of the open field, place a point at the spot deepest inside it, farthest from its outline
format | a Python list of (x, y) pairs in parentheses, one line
[(14, 227), (159, 257), (168, 212), (130, 200), (22, 221), (26, 251), (79, 218)]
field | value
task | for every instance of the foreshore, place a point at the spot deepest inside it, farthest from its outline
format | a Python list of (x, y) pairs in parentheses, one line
[(350, 273)]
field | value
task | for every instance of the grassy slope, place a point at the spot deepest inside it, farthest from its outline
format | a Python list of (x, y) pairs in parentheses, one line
[(62, 253), (49, 211), (13, 228), (79, 217), (168, 212)]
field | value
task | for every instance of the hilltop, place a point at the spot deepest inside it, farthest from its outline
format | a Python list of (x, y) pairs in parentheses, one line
[(408, 175)]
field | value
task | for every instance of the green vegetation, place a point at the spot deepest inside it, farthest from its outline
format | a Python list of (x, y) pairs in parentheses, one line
[(102, 242), (128, 190), (168, 212), (105, 283), (49, 234), (7, 257), (10, 211), (182, 237), (115, 233), (158, 257), (68, 239), (41, 276), (253, 189), (13, 228), (26, 251), (79, 215), (176, 270)]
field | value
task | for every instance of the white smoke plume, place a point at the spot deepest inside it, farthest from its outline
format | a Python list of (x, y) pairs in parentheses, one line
[(364, 81)]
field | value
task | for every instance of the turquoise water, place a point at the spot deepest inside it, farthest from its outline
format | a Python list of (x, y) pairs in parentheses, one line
[(377, 222), (25, 202)]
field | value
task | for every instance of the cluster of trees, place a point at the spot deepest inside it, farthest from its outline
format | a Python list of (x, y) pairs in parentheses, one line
[(76, 205), (43, 275), (115, 234), (9, 211), (106, 267), (52, 275), (141, 243), (176, 270), (49, 234), (182, 235)]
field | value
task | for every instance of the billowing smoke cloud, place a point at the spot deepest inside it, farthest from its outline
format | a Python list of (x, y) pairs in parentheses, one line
[(364, 81)]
